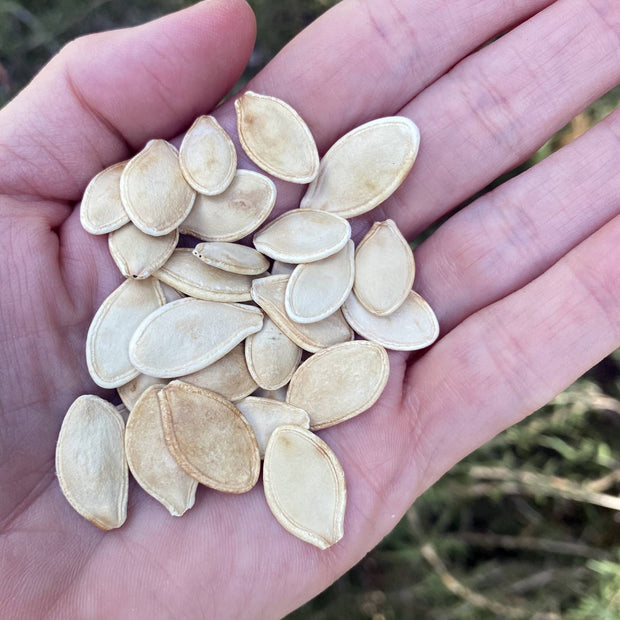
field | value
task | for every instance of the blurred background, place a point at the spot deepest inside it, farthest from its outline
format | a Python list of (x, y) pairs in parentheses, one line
[(526, 527)]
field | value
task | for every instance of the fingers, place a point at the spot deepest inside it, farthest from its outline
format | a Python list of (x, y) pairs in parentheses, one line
[(104, 95)]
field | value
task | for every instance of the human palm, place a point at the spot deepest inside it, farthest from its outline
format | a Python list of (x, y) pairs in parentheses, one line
[(523, 280)]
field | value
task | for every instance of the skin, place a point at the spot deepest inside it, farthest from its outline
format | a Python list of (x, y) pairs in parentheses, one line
[(523, 280)]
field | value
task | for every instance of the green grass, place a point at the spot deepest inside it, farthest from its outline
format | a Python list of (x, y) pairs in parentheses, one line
[(514, 530)]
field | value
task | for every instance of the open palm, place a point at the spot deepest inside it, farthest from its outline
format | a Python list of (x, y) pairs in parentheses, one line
[(524, 280)]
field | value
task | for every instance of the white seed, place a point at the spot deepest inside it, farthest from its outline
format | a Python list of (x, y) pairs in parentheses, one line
[(304, 486), (271, 356), (209, 438), (276, 138), (232, 257), (131, 392), (235, 213), (282, 269), (107, 342), (303, 236), (149, 460), (340, 382), (189, 334), (316, 290), (138, 255), (413, 326), (269, 293), (207, 157), (171, 294), (229, 376), (101, 210), (154, 192), (191, 276), (384, 269), (90, 461), (364, 167)]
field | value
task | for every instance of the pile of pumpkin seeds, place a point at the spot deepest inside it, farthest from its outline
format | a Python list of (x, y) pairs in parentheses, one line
[(224, 355)]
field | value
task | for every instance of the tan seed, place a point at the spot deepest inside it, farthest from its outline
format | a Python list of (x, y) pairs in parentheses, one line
[(303, 236), (149, 460), (413, 326), (364, 167), (276, 138), (232, 257), (131, 392), (304, 486), (154, 192), (90, 461), (189, 334), (230, 216), (207, 157), (340, 382), (209, 438), (316, 290)]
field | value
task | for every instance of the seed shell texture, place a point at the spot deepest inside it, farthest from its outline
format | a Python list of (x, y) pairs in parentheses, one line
[(229, 376), (303, 236), (188, 274), (269, 294), (316, 290), (232, 257), (230, 216), (107, 341), (131, 392), (209, 438), (266, 415), (189, 334), (207, 157), (364, 167), (304, 486), (340, 382), (149, 460), (272, 357), (101, 210), (154, 192), (90, 461), (276, 138), (413, 326), (138, 255), (384, 269)]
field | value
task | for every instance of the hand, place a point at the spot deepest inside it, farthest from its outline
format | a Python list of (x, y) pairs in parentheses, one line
[(524, 280)]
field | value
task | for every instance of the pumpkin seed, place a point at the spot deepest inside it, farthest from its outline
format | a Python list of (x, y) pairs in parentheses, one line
[(413, 326), (207, 157), (154, 192), (276, 138), (101, 210), (364, 167), (279, 394), (189, 334), (149, 460), (209, 438), (304, 486), (130, 392), (340, 382), (271, 356), (90, 461), (171, 294), (232, 257), (316, 290), (123, 411), (137, 254), (240, 210), (384, 269), (280, 269), (229, 376), (303, 236), (266, 415), (191, 276), (107, 341), (269, 293)]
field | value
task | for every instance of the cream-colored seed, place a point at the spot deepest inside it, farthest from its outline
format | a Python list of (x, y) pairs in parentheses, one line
[(90, 461), (304, 486), (279, 394), (282, 269), (131, 392), (276, 138), (207, 157), (231, 257)]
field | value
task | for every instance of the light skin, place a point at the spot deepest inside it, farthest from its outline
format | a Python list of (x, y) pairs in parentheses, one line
[(524, 280)]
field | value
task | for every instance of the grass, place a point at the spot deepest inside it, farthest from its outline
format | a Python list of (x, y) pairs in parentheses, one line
[(528, 526)]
